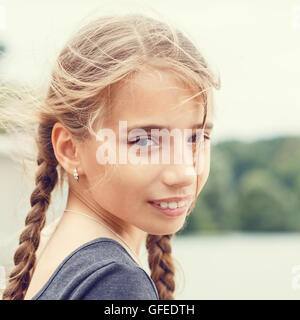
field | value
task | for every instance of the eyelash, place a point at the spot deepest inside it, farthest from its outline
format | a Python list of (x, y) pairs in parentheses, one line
[(207, 137)]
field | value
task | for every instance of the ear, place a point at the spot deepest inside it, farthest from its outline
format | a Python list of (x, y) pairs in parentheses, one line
[(66, 149)]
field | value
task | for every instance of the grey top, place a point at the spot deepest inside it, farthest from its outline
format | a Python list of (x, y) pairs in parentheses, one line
[(100, 269)]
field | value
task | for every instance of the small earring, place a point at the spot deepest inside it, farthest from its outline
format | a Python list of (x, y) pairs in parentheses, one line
[(75, 173)]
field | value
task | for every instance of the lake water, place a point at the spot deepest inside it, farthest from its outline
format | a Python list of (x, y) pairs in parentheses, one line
[(240, 266), (233, 266)]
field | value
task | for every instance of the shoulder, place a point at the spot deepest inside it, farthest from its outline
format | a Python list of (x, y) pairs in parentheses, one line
[(116, 281), (100, 269)]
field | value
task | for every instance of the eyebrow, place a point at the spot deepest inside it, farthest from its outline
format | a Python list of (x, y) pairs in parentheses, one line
[(148, 127)]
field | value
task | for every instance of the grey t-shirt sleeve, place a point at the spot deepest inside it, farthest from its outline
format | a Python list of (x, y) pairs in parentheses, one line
[(116, 281)]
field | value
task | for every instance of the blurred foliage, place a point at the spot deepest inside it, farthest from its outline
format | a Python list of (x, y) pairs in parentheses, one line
[(251, 187)]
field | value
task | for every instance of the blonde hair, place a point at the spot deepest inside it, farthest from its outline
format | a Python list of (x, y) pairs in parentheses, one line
[(102, 54)]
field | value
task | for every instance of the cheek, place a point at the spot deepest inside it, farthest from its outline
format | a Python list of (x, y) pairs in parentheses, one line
[(125, 187), (133, 181), (203, 176), (207, 161)]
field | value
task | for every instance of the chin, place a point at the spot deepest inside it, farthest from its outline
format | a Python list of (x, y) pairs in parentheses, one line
[(162, 229)]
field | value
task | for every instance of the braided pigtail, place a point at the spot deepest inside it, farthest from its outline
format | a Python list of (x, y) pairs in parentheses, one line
[(161, 264), (25, 257)]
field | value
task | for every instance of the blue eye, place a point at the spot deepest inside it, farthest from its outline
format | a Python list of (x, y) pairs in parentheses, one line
[(143, 140), (192, 138), (196, 137)]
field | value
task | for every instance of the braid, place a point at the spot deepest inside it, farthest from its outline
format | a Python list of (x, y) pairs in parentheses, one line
[(24, 258), (161, 264)]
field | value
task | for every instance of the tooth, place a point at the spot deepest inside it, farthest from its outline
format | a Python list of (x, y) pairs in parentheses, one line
[(172, 205), (164, 204), (181, 204)]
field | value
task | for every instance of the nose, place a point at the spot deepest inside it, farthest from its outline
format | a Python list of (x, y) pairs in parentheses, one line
[(179, 175)]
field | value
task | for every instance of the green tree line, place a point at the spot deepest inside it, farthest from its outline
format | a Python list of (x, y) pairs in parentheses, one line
[(251, 187)]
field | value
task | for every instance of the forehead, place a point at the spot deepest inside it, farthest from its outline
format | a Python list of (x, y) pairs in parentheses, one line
[(156, 96)]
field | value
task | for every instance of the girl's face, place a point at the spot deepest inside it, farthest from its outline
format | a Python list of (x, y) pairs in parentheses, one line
[(146, 100)]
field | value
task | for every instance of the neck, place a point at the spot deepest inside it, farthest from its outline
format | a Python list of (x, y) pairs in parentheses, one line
[(131, 234)]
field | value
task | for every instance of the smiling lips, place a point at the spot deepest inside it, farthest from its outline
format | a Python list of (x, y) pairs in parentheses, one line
[(172, 206), (169, 211), (172, 203)]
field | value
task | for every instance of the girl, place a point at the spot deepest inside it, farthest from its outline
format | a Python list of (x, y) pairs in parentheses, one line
[(141, 71)]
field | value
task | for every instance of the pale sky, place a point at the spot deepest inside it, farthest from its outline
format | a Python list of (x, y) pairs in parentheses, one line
[(254, 45)]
